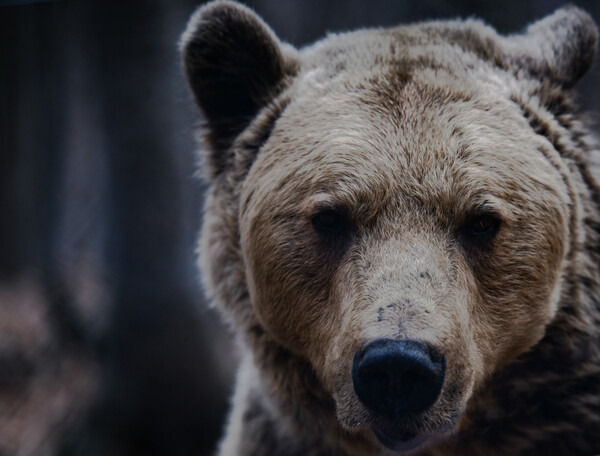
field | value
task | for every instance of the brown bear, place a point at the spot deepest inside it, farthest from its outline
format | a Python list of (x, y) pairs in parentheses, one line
[(402, 227)]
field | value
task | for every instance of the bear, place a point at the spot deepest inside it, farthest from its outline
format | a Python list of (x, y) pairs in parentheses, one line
[(401, 227)]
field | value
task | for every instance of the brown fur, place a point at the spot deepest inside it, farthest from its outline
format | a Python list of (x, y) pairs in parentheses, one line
[(411, 133)]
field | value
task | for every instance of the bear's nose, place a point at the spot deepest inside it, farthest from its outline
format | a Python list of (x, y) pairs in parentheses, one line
[(398, 377)]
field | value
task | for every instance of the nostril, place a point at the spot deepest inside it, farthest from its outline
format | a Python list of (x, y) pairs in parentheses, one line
[(398, 377)]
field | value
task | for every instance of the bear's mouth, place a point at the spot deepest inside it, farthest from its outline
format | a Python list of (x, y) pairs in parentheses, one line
[(400, 442), (406, 442)]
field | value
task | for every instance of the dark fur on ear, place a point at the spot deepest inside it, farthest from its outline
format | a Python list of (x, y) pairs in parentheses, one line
[(561, 47), (235, 65)]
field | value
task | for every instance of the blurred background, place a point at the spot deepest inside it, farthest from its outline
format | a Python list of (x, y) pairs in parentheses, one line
[(106, 344)]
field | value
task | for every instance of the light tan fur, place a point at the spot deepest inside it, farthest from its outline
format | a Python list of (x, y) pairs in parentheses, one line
[(411, 130)]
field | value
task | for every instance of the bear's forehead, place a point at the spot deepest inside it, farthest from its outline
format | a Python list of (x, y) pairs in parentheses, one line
[(408, 84), (419, 119), (418, 146), (407, 127)]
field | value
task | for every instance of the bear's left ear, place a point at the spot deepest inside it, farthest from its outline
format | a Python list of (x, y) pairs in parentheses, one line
[(561, 47), (235, 66)]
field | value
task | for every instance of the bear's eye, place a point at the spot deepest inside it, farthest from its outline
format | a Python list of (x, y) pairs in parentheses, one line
[(331, 222), (483, 225), (481, 229)]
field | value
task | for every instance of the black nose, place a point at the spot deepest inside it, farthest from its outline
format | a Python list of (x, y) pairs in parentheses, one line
[(398, 377)]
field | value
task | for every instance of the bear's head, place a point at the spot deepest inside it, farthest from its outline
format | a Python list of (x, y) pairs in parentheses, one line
[(389, 205)]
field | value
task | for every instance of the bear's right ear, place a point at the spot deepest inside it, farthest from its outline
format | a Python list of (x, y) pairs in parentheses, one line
[(560, 47), (235, 65)]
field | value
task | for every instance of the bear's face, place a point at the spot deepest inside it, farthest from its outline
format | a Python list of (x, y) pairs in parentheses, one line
[(357, 224), (401, 224)]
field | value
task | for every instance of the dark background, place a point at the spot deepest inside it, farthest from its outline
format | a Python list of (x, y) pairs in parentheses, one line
[(106, 346)]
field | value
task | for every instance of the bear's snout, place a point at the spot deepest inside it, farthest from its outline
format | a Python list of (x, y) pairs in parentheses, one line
[(398, 377)]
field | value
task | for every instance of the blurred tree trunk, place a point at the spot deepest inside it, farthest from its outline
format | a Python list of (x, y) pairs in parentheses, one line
[(32, 117), (158, 392), (48, 374), (93, 166)]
